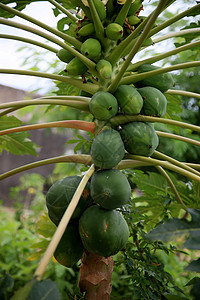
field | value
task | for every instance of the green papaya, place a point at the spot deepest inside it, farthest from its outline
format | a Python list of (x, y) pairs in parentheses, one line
[(70, 248), (147, 42), (60, 194), (162, 82), (135, 6), (107, 149), (155, 103), (133, 20), (64, 55), (139, 138), (100, 8), (114, 31), (86, 29), (103, 232), (129, 99), (91, 48), (76, 67), (103, 105), (104, 68), (110, 188)]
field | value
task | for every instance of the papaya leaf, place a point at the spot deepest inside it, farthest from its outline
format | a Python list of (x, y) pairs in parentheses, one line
[(45, 289), (18, 5), (45, 227), (6, 282), (194, 266), (9, 122), (179, 230), (23, 292)]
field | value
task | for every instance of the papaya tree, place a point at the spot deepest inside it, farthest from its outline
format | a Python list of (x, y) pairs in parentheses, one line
[(125, 98)]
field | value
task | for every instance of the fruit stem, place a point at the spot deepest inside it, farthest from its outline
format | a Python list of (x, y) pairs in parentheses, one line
[(122, 119), (89, 63), (121, 17), (64, 10), (75, 158), (75, 124), (183, 93), (29, 41), (134, 67), (140, 76), (89, 87), (178, 137), (98, 26), (175, 162), (62, 225), (64, 36), (137, 45), (176, 193), (167, 165)]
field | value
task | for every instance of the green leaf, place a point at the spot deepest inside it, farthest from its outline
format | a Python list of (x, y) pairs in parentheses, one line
[(179, 230), (194, 266), (9, 122), (23, 292), (45, 227), (5, 283), (45, 289)]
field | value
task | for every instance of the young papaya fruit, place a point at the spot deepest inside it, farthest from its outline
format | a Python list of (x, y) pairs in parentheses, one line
[(103, 232), (76, 67), (163, 81), (70, 248), (114, 31), (60, 194), (139, 138), (110, 188), (100, 8), (107, 149), (86, 29), (135, 6), (104, 68), (133, 20), (91, 48), (129, 99), (64, 55), (103, 105), (155, 103)]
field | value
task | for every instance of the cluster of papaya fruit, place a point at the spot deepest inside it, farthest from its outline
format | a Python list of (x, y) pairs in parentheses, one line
[(97, 226)]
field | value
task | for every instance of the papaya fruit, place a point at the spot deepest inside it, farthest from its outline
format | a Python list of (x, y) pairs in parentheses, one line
[(100, 8), (86, 29), (129, 99), (103, 105), (155, 103), (107, 149), (114, 31), (91, 48), (110, 188), (139, 138), (135, 6), (162, 82), (76, 67), (103, 232), (133, 20), (104, 68), (70, 248), (64, 55), (60, 195)]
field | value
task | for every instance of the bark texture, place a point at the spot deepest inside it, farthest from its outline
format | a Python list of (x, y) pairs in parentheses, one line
[(95, 276)]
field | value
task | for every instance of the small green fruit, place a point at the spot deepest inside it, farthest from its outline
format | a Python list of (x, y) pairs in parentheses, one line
[(104, 68), (133, 20), (100, 8), (91, 48), (114, 31), (76, 67), (64, 55), (86, 29)]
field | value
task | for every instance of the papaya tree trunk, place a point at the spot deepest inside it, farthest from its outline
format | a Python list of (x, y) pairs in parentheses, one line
[(95, 276)]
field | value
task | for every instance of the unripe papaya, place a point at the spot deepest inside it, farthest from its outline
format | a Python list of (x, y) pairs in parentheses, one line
[(163, 81), (147, 42), (70, 248), (133, 20), (135, 6), (155, 103), (107, 149), (110, 188), (91, 48), (103, 105), (129, 99), (104, 68), (114, 31), (100, 8), (64, 55), (86, 29), (76, 67), (139, 138)]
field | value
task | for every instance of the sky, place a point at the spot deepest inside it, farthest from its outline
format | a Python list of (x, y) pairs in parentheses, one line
[(10, 58)]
